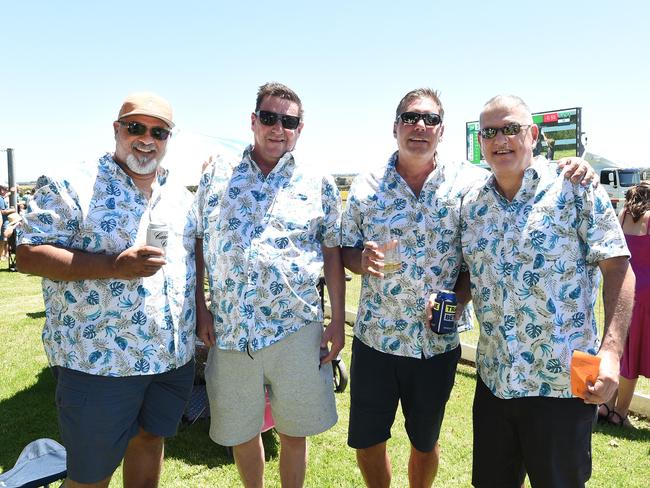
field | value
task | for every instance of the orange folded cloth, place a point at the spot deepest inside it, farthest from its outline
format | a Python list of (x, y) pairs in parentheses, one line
[(584, 369)]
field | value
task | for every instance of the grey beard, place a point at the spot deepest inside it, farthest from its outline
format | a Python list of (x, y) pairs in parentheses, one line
[(141, 168)]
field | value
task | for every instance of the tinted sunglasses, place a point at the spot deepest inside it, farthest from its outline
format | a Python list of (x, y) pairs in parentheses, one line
[(509, 130), (138, 129), (414, 117), (271, 118)]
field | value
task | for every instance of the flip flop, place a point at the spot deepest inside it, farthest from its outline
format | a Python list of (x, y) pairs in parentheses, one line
[(603, 419), (618, 420)]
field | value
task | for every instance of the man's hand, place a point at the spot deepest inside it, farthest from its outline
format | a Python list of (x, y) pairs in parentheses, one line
[(334, 333), (459, 309), (579, 170), (372, 259), (205, 325), (607, 382), (138, 262)]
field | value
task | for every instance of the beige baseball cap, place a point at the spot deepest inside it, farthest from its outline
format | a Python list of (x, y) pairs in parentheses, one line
[(147, 103)]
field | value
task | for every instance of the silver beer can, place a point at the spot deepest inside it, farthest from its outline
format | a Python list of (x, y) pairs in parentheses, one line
[(157, 234)]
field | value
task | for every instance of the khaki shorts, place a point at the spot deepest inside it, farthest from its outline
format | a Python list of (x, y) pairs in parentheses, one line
[(301, 394)]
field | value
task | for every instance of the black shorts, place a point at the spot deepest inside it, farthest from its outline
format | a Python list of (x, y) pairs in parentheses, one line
[(379, 380), (548, 438)]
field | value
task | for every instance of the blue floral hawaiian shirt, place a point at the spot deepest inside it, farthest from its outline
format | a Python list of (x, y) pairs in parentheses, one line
[(534, 271), (116, 327), (392, 311), (262, 240)]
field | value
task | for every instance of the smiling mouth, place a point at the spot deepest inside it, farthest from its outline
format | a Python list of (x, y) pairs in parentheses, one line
[(503, 151)]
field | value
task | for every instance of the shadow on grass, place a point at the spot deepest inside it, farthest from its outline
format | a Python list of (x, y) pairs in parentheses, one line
[(640, 434), (26, 416), (36, 315), (193, 445)]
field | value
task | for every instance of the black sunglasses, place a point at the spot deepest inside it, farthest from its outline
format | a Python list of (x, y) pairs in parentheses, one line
[(138, 129), (511, 129), (271, 118), (414, 117)]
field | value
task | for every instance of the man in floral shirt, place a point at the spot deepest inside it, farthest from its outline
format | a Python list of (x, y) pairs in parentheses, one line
[(120, 320), (415, 198), (269, 227), (535, 245)]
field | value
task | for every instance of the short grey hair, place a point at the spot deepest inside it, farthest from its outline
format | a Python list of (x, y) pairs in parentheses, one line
[(507, 101)]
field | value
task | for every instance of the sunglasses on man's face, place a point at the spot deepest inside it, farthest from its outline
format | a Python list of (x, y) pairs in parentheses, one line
[(271, 118), (511, 129), (414, 117), (138, 129)]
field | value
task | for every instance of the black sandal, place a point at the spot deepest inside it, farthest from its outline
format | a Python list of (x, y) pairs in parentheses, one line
[(604, 419), (617, 419)]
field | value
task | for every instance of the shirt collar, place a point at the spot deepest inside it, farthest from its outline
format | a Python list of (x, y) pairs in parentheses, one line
[(531, 178)]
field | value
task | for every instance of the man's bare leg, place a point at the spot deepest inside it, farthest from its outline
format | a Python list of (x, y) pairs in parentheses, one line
[(143, 460), (249, 458), (293, 461), (374, 464), (100, 484), (423, 467)]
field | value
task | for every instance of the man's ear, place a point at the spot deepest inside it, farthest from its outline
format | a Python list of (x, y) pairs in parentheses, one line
[(395, 130), (116, 126), (535, 132)]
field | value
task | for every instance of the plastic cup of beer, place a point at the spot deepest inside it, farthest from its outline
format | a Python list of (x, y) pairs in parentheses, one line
[(392, 256)]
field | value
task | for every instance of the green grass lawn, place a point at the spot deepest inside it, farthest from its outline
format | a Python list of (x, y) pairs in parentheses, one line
[(27, 412)]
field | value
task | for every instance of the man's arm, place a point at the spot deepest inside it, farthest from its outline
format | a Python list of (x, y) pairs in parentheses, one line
[(204, 319), (618, 298), (335, 281), (63, 264)]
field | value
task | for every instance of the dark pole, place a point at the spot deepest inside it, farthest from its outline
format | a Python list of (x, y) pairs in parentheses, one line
[(13, 196)]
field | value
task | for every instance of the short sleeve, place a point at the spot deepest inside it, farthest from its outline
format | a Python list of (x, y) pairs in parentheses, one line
[(53, 216), (351, 222), (597, 225), (330, 230)]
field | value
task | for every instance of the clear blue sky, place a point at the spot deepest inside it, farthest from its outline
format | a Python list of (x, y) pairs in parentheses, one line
[(66, 66)]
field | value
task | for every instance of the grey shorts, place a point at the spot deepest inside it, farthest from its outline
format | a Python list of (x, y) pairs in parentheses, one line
[(98, 415), (301, 394)]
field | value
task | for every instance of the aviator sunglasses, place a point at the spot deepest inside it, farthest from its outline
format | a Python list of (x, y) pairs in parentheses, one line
[(270, 118), (414, 117), (138, 129), (511, 129)]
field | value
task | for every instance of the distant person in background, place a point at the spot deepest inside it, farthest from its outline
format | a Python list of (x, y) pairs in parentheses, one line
[(539, 146), (635, 220), (550, 147), (10, 235), (5, 210)]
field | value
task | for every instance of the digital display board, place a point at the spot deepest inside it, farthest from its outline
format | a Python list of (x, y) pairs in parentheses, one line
[(560, 135)]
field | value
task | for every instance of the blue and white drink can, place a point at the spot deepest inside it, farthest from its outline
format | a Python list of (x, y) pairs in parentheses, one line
[(444, 311)]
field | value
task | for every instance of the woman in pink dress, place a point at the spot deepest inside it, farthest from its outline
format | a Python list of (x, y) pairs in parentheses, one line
[(634, 219)]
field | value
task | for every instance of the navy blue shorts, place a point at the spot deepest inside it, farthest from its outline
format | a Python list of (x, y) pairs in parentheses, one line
[(378, 381), (548, 438), (98, 415)]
